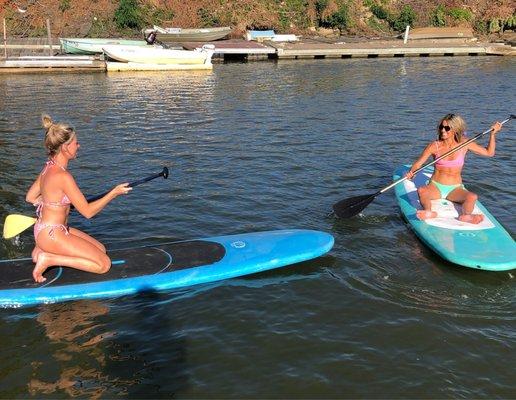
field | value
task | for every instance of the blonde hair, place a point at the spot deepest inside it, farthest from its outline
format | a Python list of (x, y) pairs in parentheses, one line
[(456, 123), (56, 135)]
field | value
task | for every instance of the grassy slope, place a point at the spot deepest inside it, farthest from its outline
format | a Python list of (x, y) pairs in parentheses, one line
[(97, 17)]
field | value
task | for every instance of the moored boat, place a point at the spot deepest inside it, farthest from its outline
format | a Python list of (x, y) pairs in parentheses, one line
[(153, 55), (189, 35), (94, 45)]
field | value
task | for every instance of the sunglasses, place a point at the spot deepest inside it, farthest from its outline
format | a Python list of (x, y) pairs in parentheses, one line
[(446, 128)]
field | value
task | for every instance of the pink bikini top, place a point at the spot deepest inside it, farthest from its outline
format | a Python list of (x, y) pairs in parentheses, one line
[(455, 163), (65, 201)]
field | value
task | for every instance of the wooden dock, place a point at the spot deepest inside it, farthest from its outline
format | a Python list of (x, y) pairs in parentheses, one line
[(397, 48), (31, 64), (235, 49)]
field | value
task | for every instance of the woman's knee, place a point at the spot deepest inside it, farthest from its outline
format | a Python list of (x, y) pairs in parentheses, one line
[(422, 191), (471, 197)]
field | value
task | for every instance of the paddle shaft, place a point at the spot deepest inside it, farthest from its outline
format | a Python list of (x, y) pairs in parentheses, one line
[(163, 173), (441, 157)]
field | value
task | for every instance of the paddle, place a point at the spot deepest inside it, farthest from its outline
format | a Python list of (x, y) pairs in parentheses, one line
[(352, 206), (16, 223), (163, 173)]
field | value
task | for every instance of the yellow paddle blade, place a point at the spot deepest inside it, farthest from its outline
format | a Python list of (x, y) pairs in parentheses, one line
[(16, 224)]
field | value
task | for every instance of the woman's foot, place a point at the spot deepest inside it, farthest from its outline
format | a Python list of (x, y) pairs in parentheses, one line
[(41, 266), (425, 214), (35, 254), (471, 218)]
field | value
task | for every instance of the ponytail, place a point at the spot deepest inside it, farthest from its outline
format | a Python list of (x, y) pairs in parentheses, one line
[(56, 135)]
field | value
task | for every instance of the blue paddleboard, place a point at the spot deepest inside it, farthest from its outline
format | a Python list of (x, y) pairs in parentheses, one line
[(164, 266), (486, 246)]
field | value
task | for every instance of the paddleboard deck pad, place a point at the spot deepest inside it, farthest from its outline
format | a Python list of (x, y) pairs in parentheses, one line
[(486, 245), (162, 267)]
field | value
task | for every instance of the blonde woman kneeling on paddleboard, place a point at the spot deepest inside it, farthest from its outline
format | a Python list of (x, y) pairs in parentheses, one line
[(52, 193), (446, 181)]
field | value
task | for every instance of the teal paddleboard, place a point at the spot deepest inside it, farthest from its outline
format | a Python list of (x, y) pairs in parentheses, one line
[(163, 266), (487, 246)]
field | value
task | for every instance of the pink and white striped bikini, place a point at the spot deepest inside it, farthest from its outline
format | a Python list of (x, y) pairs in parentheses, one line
[(65, 202)]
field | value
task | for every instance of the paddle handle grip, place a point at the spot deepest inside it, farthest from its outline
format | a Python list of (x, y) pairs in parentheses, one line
[(445, 155), (163, 173)]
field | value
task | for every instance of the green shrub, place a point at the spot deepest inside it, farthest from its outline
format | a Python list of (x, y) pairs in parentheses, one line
[(460, 14), (128, 15), (499, 25), (494, 25), (406, 17), (320, 6), (379, 11), (438, 17), (510, 23), (339, 19), (480, 26)]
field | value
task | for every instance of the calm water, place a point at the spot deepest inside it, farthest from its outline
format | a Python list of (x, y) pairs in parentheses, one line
[(265, 146)]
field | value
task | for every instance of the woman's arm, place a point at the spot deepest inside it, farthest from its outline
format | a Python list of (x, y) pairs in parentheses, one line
[(427, 152), (34, 194), (80, 203), (488, 151)]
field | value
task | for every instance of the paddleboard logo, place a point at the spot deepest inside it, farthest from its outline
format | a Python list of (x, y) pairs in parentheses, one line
[(467, 234), (239, 244)]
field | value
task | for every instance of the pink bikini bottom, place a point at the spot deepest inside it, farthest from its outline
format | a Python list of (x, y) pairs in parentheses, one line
[(39, 226)]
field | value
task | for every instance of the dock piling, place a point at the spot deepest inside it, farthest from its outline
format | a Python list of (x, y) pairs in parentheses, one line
[(50, 52), (405, 37), (5, 40)]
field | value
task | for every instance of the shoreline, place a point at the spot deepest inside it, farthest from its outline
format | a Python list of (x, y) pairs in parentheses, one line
[(34, 55)]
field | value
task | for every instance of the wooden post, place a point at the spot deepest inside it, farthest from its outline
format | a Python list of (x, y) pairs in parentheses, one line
[(49, 38), (5, 40), (405, 37)]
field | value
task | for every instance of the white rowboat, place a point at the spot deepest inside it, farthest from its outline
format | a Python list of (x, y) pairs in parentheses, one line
[(94, 45), (152, 55)]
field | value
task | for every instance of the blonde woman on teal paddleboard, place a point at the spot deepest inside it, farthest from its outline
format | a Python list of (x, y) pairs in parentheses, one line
[(446, 181), (52, 193)]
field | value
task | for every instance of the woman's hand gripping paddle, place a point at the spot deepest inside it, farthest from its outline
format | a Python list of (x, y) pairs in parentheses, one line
[(15, 223), (352, 206)]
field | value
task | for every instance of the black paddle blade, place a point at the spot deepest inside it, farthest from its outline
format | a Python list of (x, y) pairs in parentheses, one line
[(348, 208)]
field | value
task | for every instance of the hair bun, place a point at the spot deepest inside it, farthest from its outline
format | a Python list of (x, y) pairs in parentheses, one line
[(46, 121)]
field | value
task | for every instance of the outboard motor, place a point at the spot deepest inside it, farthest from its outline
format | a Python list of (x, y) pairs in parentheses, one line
[(151, 38)]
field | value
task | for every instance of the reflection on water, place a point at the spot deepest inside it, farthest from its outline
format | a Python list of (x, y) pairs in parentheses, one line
[(77, 341), (90, 359)]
